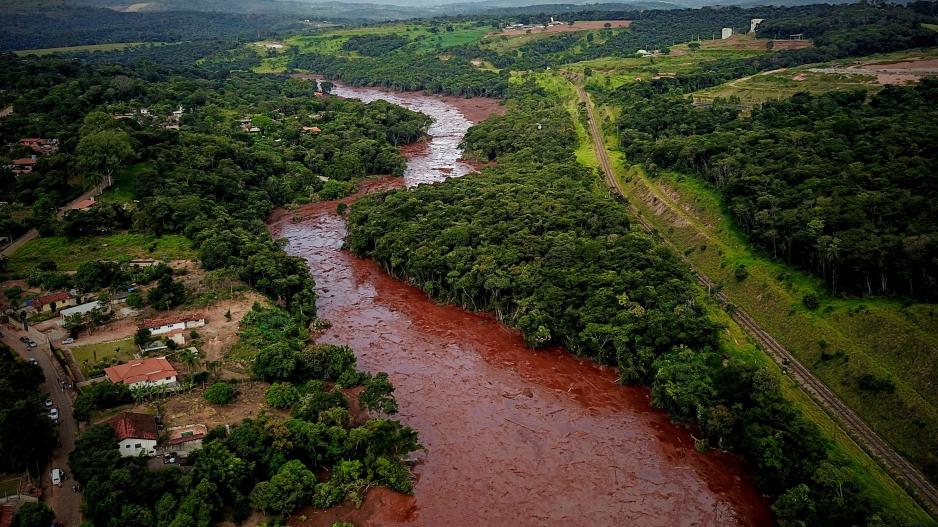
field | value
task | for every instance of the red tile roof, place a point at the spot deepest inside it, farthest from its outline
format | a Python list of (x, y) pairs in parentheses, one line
[(152, 323), (140, 370), (129, 425), (24, 161), (84, 204), (54, 297), (6, 516)]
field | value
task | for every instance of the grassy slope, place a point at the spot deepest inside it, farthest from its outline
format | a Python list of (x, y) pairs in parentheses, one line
[(736, 343), (69, 254), (877, 336), (330, 42)]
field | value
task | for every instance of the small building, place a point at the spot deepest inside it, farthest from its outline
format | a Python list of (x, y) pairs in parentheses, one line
[(52, 302), (185, 439), (727, 33), (754, 23), (144, 262), (311, 130), (41, 146), (24, 165), (643, 53), (141, 373), (160, 326), (82, 309), (136, 433), (84, 204)]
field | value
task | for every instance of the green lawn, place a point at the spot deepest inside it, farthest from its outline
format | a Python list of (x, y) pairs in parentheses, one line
[(69, 254), (89, 355), (77, 49), (122, 191)]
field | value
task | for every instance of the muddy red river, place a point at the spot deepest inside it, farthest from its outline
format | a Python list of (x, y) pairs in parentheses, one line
[(514, 437)]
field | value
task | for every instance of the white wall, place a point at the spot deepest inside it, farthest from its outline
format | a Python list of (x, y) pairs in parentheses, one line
[(160, 382), (134, 447)]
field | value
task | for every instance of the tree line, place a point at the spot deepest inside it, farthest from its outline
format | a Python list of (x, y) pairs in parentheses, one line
[(533, 241)]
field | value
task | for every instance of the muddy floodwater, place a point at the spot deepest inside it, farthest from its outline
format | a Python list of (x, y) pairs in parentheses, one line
[(514, 437)]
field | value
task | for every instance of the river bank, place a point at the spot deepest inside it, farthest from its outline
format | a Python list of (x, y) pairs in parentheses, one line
[(513, 436)]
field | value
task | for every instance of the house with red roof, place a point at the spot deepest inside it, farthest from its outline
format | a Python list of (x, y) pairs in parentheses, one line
[(53, 302), (84, 204), (155, 371), (136, 433), (24, 165)]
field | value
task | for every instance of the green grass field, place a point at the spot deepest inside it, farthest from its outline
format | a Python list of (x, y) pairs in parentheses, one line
[(69, 254), (122, 191), (121, 350), (78, 49), (329, 42)]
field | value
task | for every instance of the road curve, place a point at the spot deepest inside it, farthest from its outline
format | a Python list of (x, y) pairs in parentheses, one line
[(904, 472)]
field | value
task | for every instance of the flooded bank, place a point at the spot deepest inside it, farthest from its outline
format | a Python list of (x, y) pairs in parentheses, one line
[(513, 436)]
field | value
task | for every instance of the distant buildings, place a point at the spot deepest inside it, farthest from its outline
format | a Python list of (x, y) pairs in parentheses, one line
[(141, 373), (41, 146), (23, 165)]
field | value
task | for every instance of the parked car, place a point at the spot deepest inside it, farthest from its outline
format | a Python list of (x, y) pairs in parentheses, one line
[(24, 339), (32, 360), (56, 475), (54, 414), (69, 340), (48, 403)]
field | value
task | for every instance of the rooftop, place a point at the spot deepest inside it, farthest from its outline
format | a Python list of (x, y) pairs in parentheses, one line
[(165, 321), (53, 297), (129, 425), (140, 370)]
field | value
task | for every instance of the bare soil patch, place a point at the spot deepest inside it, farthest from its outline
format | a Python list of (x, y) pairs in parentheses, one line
[(580, 25)]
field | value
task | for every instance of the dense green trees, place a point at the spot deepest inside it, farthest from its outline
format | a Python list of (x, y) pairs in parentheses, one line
[(27, 435), (837, 184), (533, 241)]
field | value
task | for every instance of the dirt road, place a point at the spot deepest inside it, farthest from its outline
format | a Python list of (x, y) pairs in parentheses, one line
[(906, 474), (63, 500)]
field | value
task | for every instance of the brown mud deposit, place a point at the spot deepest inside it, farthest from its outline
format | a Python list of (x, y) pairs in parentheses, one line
[(513, 436)]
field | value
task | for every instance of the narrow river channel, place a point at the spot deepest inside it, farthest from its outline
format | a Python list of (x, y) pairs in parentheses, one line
[(514, 437)]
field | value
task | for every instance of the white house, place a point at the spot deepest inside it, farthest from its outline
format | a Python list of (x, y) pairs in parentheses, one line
[(160, 326), (136, 433)]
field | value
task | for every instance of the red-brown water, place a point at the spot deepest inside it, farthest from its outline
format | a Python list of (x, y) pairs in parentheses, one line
[(513, 436)]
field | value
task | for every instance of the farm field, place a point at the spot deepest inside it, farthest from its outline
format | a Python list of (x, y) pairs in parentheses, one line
[(69, 254)]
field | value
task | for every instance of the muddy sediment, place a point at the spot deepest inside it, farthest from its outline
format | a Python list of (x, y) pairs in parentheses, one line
[(513, 436)]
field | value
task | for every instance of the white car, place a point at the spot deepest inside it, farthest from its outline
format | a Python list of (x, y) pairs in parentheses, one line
[(56, 475), (48, 403), (54, 414), (69, 340)]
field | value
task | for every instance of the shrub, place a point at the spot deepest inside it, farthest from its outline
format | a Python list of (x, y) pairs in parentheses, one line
[(220, 393), (810, 301), (741, 273), (282, 395)]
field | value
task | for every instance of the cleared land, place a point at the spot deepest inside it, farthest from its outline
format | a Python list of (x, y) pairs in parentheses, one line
[(78, 49), (869, 73), (69, 254)]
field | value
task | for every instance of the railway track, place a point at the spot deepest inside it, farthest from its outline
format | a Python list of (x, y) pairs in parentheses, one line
[(897, 466)]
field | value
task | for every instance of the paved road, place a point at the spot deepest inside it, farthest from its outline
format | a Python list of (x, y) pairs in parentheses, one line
[(33, 233), (923, 490), (63, 500)]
